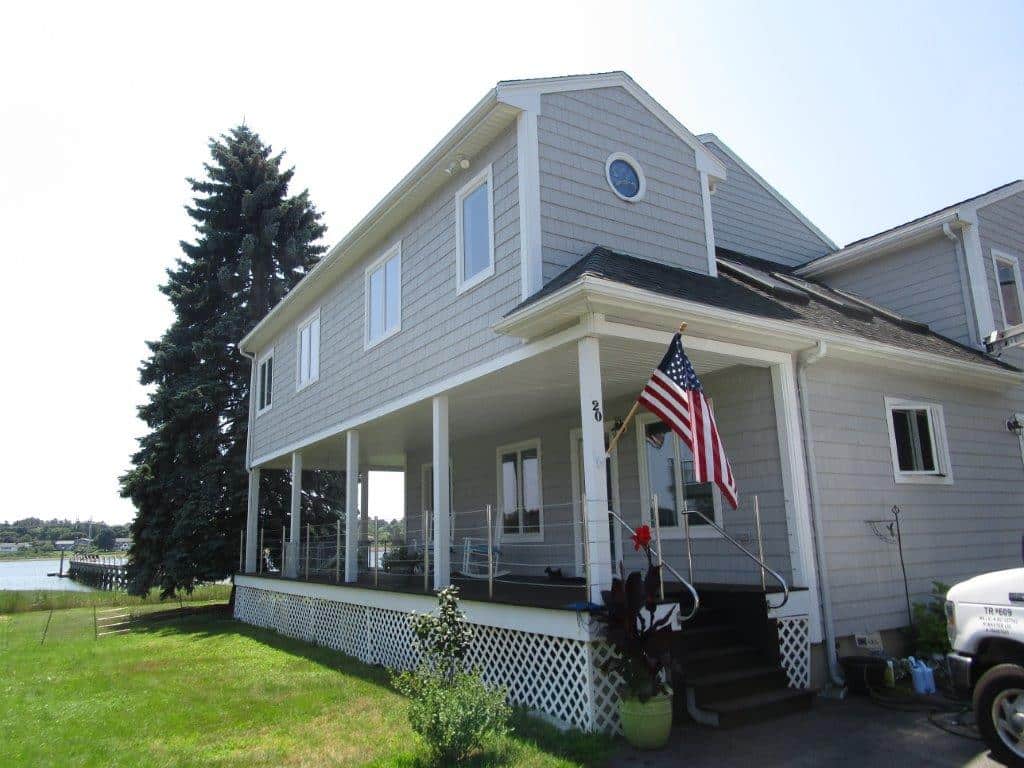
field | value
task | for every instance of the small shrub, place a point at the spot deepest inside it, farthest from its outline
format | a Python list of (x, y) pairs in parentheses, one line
[(450, 707), (928, 635)]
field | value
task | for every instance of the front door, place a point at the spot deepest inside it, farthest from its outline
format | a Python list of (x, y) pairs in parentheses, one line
[(612, 489)]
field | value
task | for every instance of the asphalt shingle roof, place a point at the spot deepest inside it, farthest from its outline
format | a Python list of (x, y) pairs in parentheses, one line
[(734, 292)]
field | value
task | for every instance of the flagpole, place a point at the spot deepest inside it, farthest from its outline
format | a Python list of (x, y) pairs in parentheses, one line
[(632, 412)]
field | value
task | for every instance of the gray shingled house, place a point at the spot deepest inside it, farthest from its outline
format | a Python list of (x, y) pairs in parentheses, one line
[(490, 322)]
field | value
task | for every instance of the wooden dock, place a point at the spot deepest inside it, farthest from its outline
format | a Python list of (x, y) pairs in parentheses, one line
[(99, 572)]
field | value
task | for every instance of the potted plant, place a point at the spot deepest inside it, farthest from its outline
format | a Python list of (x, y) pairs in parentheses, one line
[(641, 639)]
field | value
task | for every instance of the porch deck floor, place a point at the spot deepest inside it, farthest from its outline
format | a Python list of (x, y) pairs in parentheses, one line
[(528, 591)]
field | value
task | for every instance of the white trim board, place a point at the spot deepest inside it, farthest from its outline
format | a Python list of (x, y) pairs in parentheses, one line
[(999, 255)]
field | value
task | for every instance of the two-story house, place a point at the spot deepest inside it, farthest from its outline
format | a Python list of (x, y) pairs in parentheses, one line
[(489, 324)]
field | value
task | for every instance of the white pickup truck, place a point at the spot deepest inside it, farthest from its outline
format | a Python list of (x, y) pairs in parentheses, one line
[(985, 621)]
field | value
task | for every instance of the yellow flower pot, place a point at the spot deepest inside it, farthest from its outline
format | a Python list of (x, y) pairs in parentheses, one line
[(646, 724)]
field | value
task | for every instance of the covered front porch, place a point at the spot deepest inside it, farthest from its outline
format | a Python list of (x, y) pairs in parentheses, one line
[(509, 496)]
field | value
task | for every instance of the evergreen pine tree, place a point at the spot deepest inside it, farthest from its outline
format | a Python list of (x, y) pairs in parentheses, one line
[(188, 481)]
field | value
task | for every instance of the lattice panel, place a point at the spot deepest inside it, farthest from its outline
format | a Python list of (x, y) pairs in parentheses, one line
[(606, 690), (795, 649), (548, 674), (541, 672)]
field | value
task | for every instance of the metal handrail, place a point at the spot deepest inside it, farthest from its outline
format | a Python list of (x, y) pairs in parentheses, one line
[(764, 566), (673, 571)]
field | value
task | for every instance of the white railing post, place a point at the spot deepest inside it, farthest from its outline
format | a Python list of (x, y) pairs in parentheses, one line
[(376, 553), (586, 548), (284, 553), (259, 558), (308, 550), (760, 543), (490, 555), (426, 550), (337, 553), (657, 543), (241, 551), (689, 542)]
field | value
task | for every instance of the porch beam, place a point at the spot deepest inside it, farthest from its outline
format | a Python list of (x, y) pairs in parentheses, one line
[(352, 505), (441, 494), (295, 531), (252, 521), (593, 459)]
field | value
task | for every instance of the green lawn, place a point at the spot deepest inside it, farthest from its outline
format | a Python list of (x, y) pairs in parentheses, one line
[(206, 690), (15, 601)]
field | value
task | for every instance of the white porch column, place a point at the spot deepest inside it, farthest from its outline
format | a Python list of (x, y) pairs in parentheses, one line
[(252, 521), (352, 505), (442, 495), (295, 531), (593, 460)]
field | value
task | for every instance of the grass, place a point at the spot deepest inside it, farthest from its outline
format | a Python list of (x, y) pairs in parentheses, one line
[(206, 690), (20, 601)]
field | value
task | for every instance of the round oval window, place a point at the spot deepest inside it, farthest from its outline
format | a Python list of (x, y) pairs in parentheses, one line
[(625, 178)]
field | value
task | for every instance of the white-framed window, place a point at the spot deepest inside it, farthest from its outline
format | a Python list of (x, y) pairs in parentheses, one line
[(384, 296), (265, 382), (520, 499), (917, 439), (474, 231), (666, 469), (625, 177), (1011, 290), (307, 351)]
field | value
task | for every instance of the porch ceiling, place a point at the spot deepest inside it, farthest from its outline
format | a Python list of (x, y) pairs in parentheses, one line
[(543, 385)]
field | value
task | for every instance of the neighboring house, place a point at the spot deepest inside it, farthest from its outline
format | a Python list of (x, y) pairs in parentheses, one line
[(490, 322), (64, 545), (8, 548), (123, 543)]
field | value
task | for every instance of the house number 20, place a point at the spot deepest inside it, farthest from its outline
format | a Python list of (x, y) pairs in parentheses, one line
[(598, 416)]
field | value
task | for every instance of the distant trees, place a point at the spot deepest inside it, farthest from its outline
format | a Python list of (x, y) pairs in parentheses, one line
[(254, 242), (43, 533), (104, 540)]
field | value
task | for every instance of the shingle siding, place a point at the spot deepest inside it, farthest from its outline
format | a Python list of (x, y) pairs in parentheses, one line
[(442, 333), (922, 282), (577, 132), (747, 218), (950, 532)]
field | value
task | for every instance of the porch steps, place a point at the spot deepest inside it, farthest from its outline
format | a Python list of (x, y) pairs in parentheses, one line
[(728, 665)]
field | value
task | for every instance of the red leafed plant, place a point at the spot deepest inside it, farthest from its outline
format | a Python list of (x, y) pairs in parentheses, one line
[(641, 640)]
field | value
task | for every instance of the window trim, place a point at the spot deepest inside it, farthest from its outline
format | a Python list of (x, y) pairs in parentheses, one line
[(393, 251), (518, 447), (677, 531), (641, 192), (486, 176), (1013, 261), (309, 319), (259, 382), (943, 472)]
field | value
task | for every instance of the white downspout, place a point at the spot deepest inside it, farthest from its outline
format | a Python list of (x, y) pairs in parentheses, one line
[(805, 359)]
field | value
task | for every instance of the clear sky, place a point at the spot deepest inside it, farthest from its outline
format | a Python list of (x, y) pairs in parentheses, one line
[(864, 115)]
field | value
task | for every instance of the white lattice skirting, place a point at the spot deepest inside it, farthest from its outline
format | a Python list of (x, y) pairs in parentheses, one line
[(795, 649), (548, 674)]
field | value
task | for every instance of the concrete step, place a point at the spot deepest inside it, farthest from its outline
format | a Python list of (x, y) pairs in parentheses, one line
[(736, 683), (757, 707)]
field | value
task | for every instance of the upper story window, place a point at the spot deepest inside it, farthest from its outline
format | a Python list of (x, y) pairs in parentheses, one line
[(625, 177), (667, 472), (307, 351), (1008, 278), (474, 225), (265, 382), (519, 491), (917, 439), (384, 296)]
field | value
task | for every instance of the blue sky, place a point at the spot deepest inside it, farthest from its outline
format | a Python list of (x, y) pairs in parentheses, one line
[(863, 115)]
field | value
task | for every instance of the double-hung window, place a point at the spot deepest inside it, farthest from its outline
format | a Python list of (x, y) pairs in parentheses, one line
[(265, 382), (1011, 298), (519, 491), (667, 472), (384, 296), (474, 231), (307, 352), (917, 439)]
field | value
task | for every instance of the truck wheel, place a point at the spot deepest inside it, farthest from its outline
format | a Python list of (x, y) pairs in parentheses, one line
[(999, 710)]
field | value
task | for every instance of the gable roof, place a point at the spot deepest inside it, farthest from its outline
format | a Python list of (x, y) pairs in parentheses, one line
[(494, 113), (814, 306), (711, 138), (907, 232)]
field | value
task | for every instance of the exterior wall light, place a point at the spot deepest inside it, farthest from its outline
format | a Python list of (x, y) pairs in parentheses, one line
[(1015, 426)]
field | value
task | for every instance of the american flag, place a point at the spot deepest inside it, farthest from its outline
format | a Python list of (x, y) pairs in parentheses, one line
[(674, 395)]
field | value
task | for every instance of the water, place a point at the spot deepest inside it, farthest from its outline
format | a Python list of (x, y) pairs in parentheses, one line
[(31, 574)]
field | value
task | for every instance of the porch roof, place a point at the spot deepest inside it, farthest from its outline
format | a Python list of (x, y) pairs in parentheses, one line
[(777, 296)]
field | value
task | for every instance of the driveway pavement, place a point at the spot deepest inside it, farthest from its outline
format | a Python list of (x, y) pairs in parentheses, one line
[(856, 733)]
